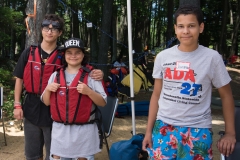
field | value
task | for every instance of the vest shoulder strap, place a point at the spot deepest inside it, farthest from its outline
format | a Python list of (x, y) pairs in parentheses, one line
[(58, 74), (32, 49)]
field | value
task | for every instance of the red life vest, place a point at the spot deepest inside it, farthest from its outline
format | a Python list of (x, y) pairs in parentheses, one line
[(37, 73), (67, 105)]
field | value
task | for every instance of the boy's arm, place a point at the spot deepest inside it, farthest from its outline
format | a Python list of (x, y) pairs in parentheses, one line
[(153, 109), (97, 74), (18, 113), (227, 142)]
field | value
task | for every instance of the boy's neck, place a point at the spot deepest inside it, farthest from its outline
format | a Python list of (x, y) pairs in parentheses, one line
[(48, 47), (187, 48)]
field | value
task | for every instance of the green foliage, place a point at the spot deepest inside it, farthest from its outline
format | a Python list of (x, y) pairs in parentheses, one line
[(5, 77), (9, 104), (11, 20), (7, 81)]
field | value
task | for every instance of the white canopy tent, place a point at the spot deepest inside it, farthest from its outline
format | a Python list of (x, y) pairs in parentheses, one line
[(129, 21)]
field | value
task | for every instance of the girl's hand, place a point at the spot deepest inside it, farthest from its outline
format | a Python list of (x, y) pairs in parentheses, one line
[(52, 87), (83, 88)]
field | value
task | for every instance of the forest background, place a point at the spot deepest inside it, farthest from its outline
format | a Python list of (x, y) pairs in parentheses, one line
[(152, 26)]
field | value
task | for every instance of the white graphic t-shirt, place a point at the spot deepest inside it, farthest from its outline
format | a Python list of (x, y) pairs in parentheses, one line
[(187, 85)]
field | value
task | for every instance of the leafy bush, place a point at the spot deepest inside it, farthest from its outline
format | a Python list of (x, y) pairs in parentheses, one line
[(7, 81), (6, 78), (9, 104)]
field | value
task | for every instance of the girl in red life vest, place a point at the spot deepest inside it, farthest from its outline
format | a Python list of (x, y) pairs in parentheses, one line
[(73, 96)]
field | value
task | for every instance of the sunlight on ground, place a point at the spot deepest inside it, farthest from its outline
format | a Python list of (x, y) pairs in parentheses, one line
[(218, 122), (12, 128)]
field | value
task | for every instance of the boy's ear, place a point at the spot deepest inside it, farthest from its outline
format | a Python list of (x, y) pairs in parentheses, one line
[(201, 27), (60, 33)]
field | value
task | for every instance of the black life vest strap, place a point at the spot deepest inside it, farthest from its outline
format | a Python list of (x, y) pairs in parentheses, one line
[(98, 119), (86, 69), (56, 57), (79, 96), (94, 111), (33, 48), (56, 100)]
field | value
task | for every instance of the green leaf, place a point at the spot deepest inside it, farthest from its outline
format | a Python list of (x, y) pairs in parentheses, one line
[(182, 153), (156, 127), (200, 148)]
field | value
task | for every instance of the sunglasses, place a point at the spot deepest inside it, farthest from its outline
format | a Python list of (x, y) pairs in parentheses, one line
[(54, 24)]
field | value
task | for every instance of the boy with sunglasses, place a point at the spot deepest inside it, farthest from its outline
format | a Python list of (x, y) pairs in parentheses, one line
[(34, 67), (179, 122)]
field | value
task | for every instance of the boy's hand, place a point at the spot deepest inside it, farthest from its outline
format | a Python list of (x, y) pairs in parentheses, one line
[(97, 74), (83, 88), (52, 87), (147, 142), (18, 114), (226, 144)]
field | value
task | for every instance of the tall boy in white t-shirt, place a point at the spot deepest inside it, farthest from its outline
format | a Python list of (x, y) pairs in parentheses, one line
[(179, 121)]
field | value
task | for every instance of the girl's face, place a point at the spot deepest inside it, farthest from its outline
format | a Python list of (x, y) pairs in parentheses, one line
[(187, 30), (74, 56)]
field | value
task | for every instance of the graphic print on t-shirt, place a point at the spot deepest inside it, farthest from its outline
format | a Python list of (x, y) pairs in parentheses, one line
[(179, 83)]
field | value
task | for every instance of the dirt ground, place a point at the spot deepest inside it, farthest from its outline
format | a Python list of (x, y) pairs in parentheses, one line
[(14, 150)]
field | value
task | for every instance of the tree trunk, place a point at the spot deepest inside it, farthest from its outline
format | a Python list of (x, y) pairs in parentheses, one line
[(139, 27), (13, 43), (51, 6), (34, 22), (235, 31), (157, 25), (104, 40), (94, 45), (75, 21), (190, 2), (222, 41), (114, 42), (123, 32), (147, 28), (169, 20)]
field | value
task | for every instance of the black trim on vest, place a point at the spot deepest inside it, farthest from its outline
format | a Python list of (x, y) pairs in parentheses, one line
[(42, 69), (67, 95), (86, 69), (33, 48), (79, 97), (56, 57), (56, 100), (59, 54), (98, 120)]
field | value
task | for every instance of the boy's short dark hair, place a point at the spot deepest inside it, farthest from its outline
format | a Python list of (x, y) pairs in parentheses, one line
[(189, 9), (54, 17)]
